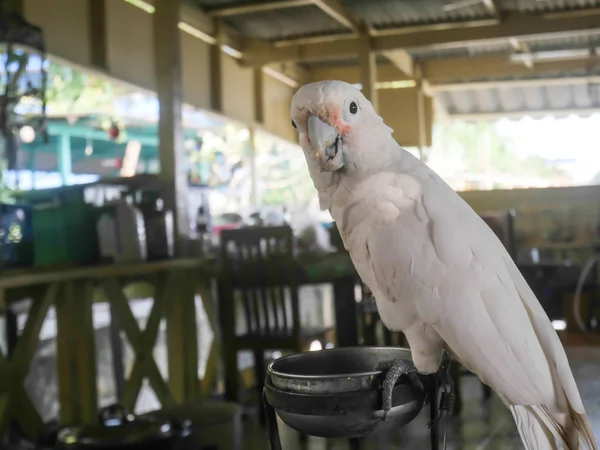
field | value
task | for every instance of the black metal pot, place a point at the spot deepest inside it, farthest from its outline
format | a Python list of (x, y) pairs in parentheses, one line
[(118, 429), (336, 393)]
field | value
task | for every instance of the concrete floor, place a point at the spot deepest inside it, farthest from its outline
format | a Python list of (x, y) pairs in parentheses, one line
[(481, 426)]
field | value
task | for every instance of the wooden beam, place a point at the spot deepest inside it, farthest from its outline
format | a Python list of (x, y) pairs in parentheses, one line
[(85, 352), (216, 72), (97, 33), (492, 7), (495, 84), (167, 57), (293, 71), (259, 95), (200, 24), (238, 10), (335, 10), (421, 115), (367, 64), (66, 347), (514, 25), (402, 60), (459, 69), (351, 74)]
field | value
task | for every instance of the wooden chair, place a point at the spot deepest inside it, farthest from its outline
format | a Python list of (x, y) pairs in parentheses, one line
[(374, 332), (503, 224), (259, 285)]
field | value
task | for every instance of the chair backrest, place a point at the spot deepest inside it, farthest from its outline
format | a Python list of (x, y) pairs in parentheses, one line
[(260, 265), (503, 224)]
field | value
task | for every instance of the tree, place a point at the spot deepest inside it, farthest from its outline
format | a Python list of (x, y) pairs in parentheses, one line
[(70, 91)]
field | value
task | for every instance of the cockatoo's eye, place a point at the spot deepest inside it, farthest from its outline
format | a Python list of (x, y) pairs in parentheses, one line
[(350, 111), (294, 124)]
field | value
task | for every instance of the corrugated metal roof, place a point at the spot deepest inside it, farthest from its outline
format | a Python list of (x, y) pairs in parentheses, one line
[(309, 20), (506, 100), (546, 5), (563, 42), (288, 23), (392, 13)]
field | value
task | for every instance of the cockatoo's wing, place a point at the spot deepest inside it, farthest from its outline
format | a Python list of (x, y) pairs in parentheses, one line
[(448, 262)]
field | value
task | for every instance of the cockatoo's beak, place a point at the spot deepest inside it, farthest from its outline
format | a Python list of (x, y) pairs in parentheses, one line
[(326, 143)]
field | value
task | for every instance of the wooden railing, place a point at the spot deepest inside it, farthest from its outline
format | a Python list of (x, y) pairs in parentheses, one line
[(72, 291)]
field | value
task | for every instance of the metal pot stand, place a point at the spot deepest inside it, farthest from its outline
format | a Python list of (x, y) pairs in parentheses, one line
[(336, 394)]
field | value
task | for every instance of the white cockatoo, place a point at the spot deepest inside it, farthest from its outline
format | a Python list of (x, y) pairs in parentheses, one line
[(437, 271)]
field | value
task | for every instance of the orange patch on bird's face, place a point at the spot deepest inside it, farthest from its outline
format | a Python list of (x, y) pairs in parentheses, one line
[(334, 118)]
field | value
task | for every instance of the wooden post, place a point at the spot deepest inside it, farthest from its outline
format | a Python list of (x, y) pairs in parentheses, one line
[(66, 344), (367, 60), (12, 6), (259, 119), (64, 158), (116, 346), (97, 33), (76, 354), (167, 55), (253, 168), (258, 94), (421, 114), (182, 340), (216, 71), (85, 352)]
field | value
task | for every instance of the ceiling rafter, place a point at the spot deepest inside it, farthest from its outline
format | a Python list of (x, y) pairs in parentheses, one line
[(335, 10), (249, 8), (493, 8), (213, 31), (455, 70), (399, 58), (402, 60)]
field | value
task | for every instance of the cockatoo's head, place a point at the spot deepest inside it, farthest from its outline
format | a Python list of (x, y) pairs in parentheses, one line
[(335, 122)]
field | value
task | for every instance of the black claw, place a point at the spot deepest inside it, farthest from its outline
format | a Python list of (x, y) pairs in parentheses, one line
[(394, 368), (415, 380), (442, 381)]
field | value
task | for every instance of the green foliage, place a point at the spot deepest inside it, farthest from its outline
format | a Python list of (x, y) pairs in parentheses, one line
[(481, 146), (6, 193), (70, 91)]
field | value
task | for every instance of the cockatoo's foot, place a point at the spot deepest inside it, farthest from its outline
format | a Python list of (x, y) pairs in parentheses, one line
[(394, 369)]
